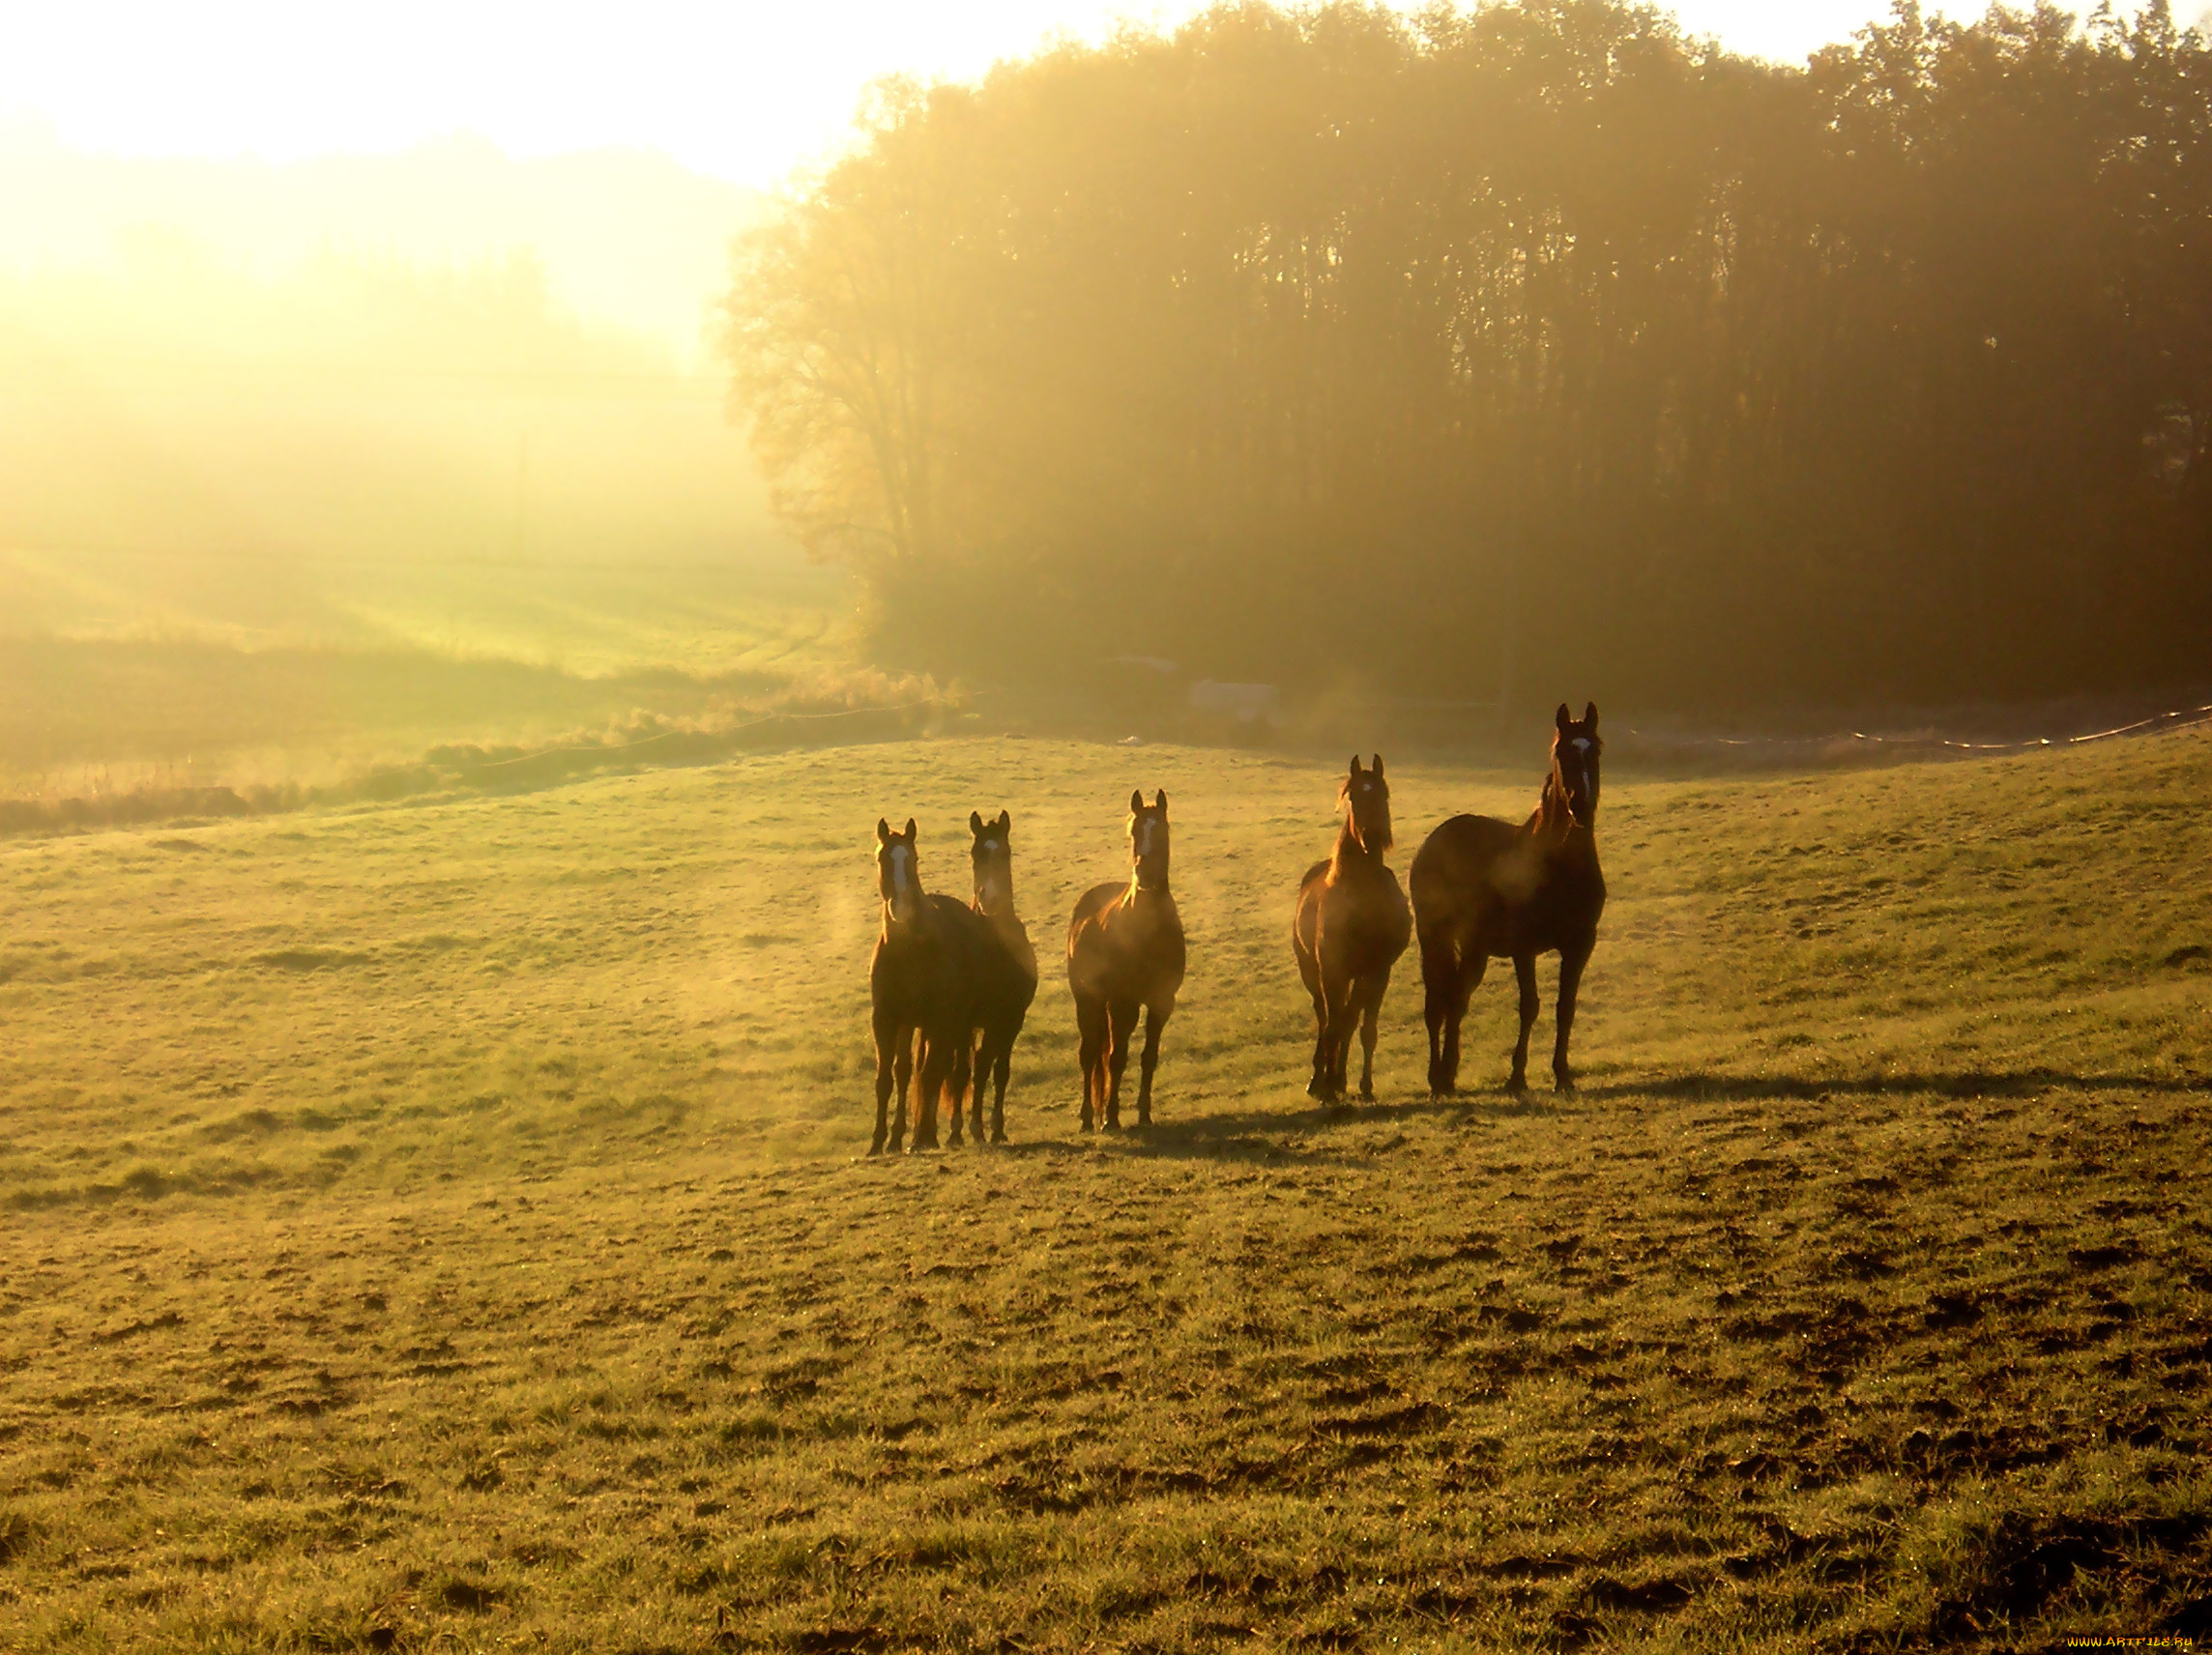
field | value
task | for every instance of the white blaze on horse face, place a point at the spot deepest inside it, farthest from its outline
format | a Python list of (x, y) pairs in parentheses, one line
[(903, 881), (988, 889)]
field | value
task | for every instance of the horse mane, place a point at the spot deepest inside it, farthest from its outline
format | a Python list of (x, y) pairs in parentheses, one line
[(1349, 849), (1349, 845), (1552, 813)]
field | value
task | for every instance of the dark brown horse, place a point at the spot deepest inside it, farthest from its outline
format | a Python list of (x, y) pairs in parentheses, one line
[(922, 983), (1011, 980), (1351, 926), (1125, 950), (1485, 889)]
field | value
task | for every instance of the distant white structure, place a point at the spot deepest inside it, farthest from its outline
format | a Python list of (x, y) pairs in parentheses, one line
[(1246, 703)]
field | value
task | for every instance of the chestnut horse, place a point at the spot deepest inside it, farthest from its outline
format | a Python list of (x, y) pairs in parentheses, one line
[(921, 981), (1351, 926), (1484, 889), (1010, 983), (1125, 950)]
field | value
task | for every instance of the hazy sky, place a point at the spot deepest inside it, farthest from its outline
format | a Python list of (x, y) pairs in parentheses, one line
[(743, 88)]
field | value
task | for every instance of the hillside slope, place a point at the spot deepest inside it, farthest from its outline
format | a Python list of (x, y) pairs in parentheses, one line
[(447, 1227)]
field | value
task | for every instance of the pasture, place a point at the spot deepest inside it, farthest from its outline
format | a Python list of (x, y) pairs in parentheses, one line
[(447, 1227), (122, 671)]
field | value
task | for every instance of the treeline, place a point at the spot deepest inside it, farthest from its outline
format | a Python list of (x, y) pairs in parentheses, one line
[(1534, 349)]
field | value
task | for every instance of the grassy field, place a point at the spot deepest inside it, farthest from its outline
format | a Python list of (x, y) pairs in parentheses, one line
[(446, 1228)]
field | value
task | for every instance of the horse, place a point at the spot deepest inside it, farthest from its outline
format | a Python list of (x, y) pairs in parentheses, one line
[(1351, 926), (1011, 982), (1484, 889), (1125, 950), (923, 980)]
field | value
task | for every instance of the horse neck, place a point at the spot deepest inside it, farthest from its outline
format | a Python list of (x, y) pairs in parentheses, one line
[(901, 931), (1002, 916), (1553, 820), (1350, 858)]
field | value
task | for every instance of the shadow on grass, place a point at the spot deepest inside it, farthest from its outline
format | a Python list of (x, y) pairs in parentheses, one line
[(1963, 1083), (1312, 1135), (1270, 1135)]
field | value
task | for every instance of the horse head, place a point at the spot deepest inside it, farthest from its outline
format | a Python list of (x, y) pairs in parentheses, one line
[(1575, 753), (1149, 840), (993, 861), (1366, 796), (898, 873)]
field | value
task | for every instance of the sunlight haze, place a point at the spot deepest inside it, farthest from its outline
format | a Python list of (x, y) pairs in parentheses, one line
[(743, 91)]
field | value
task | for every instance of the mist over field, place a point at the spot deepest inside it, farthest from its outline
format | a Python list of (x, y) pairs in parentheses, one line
[(315, 464)]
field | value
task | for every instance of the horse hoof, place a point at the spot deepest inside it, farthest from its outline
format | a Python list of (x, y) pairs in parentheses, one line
[(998, 1137), (1314, 1088), (877, 1148), (1518, 1086)]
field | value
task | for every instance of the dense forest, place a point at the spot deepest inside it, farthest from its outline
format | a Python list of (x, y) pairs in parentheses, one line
[(1489, 352)]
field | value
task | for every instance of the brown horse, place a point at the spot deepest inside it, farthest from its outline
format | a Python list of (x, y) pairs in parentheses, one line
[(1351, 926), (1125, 950), (1484, 889), (921, 981), (1011, 980)]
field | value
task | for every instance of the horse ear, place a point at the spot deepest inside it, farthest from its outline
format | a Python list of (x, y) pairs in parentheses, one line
[(1378, 765), (1589, 717), (975, 821), (1161, 802), (1355, 764), (909, 833), (1006, 821), (883, 832), (1136, 800), (1565, 717)]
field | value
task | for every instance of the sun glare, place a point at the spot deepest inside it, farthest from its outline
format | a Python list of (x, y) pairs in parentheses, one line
[(743, 91)]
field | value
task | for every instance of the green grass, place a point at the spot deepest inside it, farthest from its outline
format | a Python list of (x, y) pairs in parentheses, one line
[(445, 1228)]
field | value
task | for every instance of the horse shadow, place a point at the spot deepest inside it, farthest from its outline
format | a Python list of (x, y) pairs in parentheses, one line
[(2022, 1082), (1267, 1135)]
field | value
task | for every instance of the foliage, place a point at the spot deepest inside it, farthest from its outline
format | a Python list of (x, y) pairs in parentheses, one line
[(1531, 344)]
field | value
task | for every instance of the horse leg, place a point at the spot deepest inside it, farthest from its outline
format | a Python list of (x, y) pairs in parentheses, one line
[(905, 1065), (986, 1051), (1523, 968), (1155, 1020), (1123, 1017), (1570, 981), (887, 1040), (1440, 981), (1467, 979), (1002, 1063), (1342, 991), (1090, 1027), (1369, 1014), (956, 1083), (1317, 1087), (928, 1085)]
